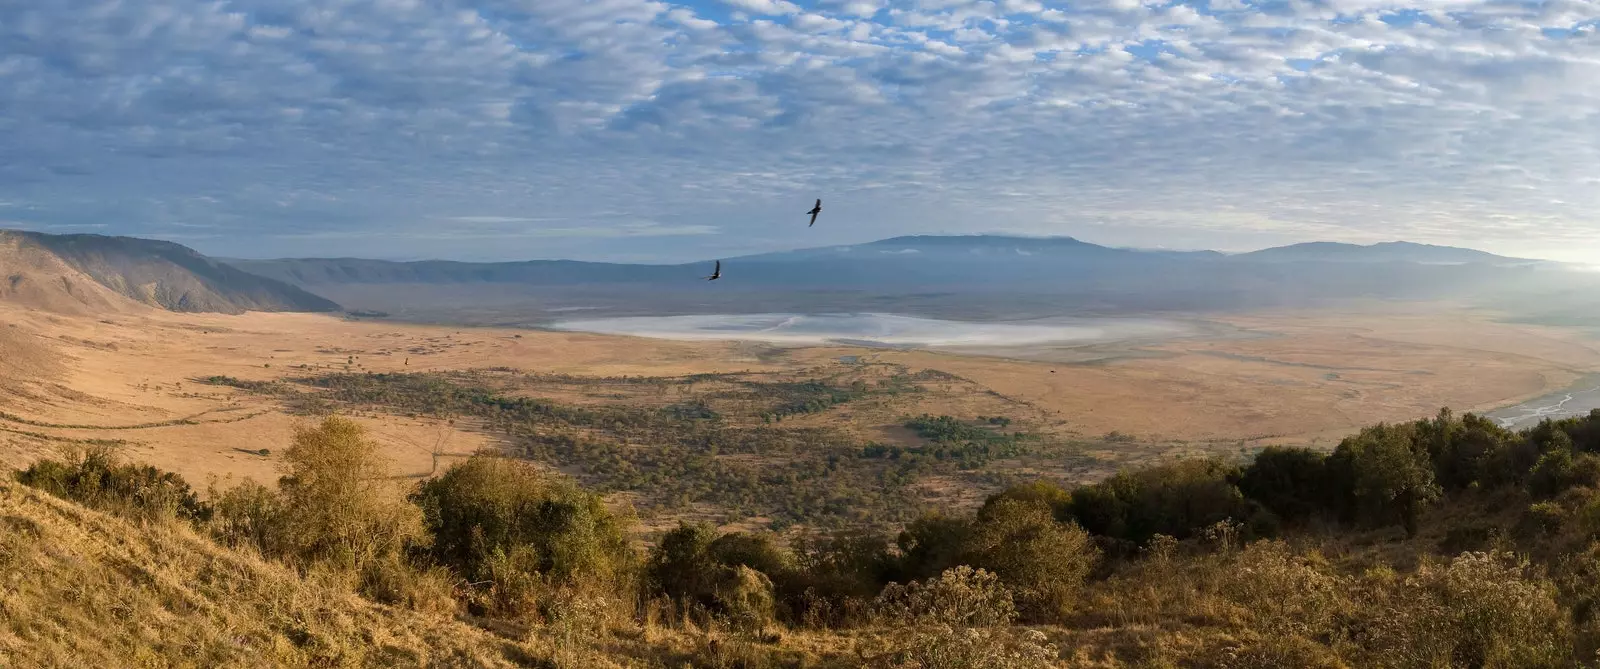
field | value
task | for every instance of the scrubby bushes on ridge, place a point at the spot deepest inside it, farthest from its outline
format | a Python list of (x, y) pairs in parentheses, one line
[(1293, 559)]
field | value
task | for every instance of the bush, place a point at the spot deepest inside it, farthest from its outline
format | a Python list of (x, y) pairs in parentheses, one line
[(760, 552), (1176, 499), (94, 477), (1288, 482), (962, 597), (838, 576), (693, 566), (395, 582), (1284, 592), (681, 566), (339, 506), (1481, 610), (488, 515), (1044, 562), (1473, 451), (933, 543), (947, 647), (1384, 476), (250, 514), (1558, 469), (746, 598), (1050, 494)]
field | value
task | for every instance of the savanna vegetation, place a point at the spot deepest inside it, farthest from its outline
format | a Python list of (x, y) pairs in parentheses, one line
[(1446, 542), (727, 442)]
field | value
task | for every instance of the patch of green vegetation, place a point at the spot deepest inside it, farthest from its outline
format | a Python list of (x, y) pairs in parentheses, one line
[(262, 387), (686, 453), (969, 446)]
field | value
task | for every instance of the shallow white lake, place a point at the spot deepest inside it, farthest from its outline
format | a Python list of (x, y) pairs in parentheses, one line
[(881, 329)]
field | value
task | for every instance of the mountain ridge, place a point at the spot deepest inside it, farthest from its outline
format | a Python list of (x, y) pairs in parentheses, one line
[(101, 273), (315, 271)]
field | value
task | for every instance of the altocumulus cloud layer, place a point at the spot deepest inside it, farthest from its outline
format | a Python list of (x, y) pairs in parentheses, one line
[(645, 130)]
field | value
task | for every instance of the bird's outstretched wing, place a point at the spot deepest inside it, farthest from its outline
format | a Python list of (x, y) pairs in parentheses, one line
[(813, 219)]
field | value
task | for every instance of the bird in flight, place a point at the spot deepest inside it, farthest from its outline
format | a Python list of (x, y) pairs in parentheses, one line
[(716, 273), (814, 211)]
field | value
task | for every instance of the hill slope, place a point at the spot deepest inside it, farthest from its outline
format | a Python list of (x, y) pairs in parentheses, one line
[(91, 272), (85, 589)]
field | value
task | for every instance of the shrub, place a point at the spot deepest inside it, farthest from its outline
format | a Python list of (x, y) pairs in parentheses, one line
[(746, 598), (395, 582), (490, 514), (1284, 592), (681, 565), (947, 647), (338, 504), (94, 477), (931, 544), (760, 552), (1385, 477), (1288, 482), (838, 576), (1481, 610), (1472, 451), (1176, 499), (250, 514), (1273, 651), (1558, 469), (695, 567), (962, 596), (1044, 562), (1050, 494)]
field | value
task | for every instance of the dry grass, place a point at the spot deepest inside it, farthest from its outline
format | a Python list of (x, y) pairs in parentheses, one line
[(83, 589)]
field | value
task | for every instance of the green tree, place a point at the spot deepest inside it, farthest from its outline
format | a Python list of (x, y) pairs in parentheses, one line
[(1287, 481), (932, 544), (1385, 475), (1176, 499)]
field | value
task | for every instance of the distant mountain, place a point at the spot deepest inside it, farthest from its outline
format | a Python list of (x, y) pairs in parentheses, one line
[(1381, 252), (340, 271), (971, 276), (96, 273)]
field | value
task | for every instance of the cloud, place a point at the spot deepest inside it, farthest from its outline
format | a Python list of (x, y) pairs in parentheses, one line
[(764, 6), (600, 128)]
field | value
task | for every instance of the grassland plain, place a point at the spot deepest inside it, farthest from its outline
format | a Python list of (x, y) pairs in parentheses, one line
[(136, 379)]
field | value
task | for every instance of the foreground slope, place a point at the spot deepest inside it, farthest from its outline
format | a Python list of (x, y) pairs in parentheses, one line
[(85, 589), (87, 272)]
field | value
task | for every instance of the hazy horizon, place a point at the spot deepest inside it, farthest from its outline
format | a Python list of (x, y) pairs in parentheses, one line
[(694, 259)]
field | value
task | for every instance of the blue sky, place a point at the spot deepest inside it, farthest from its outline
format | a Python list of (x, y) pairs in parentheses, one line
[(640, 130)]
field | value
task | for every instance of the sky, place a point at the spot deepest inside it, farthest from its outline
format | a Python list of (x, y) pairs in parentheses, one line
[(651, 131)]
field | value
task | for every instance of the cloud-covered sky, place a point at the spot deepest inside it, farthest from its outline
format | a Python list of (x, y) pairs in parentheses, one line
[(647, 130)]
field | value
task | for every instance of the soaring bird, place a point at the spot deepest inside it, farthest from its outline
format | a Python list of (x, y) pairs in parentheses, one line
[(716, 273), (814, 211)]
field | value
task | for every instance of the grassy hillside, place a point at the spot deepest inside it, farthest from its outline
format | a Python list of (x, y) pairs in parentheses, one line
[(49, 271), (84, 588), (1439, 543)]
